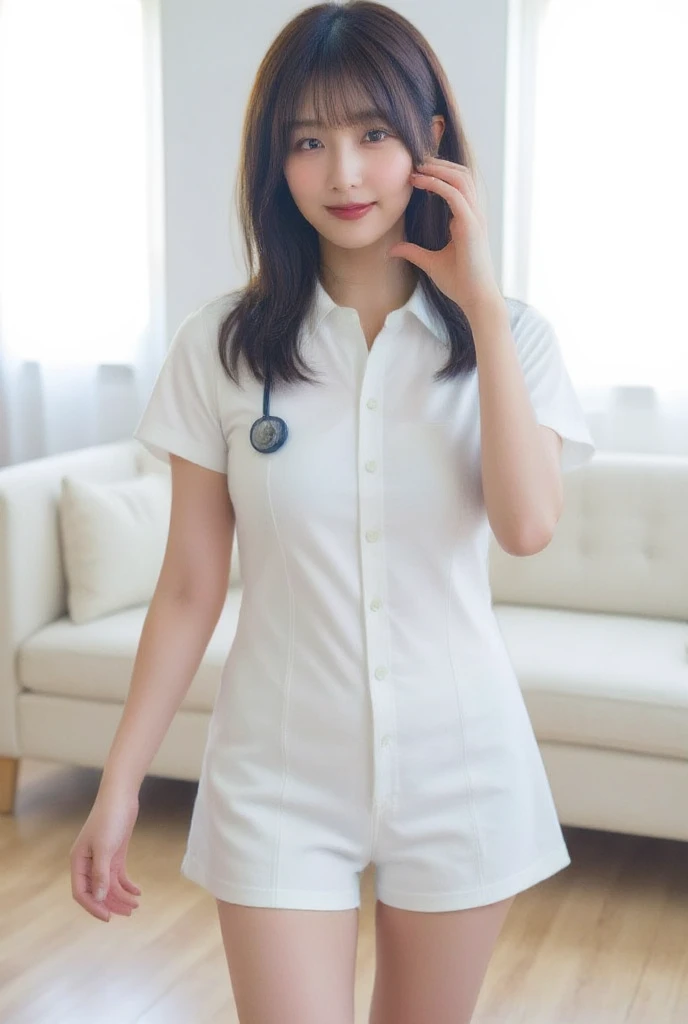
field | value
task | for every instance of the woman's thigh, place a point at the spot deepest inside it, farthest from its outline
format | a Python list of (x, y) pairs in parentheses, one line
[(431, 966), (290, 966)]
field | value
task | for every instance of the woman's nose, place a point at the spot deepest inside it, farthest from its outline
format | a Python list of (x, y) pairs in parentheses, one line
[(345, 170)]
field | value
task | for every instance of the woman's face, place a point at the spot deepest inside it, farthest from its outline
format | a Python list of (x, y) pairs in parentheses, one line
[(367, 163)]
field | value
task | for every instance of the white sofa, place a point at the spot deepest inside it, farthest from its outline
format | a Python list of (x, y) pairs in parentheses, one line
[(596, 626)]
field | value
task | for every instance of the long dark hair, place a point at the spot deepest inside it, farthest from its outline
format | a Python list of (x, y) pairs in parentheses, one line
[(331, 53)]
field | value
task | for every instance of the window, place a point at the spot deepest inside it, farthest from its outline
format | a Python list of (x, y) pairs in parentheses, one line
[(607, 259), (74, 248)]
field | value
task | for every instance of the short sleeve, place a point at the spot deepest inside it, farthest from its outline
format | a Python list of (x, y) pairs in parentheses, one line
[(551, 390), (182, 416)]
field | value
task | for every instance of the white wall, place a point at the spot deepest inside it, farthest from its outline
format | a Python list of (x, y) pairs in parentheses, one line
[(211, 50)]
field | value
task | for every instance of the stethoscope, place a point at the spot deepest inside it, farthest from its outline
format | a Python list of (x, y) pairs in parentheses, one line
[(269, 432)]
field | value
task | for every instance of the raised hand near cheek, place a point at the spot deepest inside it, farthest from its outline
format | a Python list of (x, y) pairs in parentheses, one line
[(463, 270)]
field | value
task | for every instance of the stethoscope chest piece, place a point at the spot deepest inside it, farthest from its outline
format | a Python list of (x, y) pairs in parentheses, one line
[(268, 434)]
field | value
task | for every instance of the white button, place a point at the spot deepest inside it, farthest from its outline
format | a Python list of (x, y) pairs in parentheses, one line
[(372, 403), (371, 466), (386, 740), (372, 535), (380, 672), (376, 603)]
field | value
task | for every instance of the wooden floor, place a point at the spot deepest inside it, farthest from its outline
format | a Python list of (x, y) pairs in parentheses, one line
[(603, 942)]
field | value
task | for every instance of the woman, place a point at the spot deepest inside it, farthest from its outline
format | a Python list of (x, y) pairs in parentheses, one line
[(363, 412)]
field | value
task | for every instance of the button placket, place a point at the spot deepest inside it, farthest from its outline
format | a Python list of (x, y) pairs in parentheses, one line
[(370, 480)]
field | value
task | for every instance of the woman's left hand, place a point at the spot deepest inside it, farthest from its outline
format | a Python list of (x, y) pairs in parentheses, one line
[(463, 269)]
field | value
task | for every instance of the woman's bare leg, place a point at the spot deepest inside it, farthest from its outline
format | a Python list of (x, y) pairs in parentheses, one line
[(290, 966), (430, 966)]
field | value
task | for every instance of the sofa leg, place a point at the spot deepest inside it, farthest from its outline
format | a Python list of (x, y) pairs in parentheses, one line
[(9, 773)]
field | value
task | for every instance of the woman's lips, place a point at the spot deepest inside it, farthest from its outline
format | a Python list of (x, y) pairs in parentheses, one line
[(350, 212)]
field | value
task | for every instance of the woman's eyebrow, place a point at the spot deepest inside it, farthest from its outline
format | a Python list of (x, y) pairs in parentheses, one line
[(360, 117)]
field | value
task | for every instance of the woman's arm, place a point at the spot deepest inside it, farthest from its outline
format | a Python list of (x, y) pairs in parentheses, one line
[(183, 613), (521, 475)]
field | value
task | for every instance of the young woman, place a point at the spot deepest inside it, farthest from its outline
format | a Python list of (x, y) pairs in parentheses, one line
[(364, 412)]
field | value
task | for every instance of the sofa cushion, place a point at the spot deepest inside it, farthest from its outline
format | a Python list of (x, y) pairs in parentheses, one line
[(95, 660), (113, 541), (615, 681), (611, 681), (619, 547)]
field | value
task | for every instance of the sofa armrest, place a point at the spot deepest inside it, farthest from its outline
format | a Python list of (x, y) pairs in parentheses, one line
[(32, 584)]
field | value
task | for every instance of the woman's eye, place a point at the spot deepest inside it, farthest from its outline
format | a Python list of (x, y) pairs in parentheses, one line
[(371, 131), (299, 144)]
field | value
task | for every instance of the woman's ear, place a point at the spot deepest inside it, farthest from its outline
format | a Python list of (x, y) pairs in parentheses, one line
[(438, 125)]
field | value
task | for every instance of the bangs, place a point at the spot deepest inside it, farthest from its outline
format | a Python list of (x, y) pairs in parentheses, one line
[(341, 90)]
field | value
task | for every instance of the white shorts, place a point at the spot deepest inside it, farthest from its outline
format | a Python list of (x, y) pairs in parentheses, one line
[(461, 825)]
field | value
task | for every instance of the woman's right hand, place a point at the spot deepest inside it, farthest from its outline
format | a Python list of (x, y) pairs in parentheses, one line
[(98, 857)]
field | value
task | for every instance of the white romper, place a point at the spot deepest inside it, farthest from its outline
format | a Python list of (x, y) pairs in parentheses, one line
[(368, 710)]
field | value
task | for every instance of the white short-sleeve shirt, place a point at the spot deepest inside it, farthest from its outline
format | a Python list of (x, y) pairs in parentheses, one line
[(368, 708)]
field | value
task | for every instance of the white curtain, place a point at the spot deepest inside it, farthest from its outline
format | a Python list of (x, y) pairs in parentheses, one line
[(597, 211), (81, 306)]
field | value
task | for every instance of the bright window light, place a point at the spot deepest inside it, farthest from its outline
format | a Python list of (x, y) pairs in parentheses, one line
[(74, 274), (608, 259)]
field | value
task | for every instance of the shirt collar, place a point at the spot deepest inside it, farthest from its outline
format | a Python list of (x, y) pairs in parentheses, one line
[(418, 305)]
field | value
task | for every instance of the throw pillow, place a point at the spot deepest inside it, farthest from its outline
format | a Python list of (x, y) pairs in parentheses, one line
[(113, 541)]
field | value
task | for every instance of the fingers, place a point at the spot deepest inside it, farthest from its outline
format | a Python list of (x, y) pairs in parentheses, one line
[(436, 161), (81, 888), (440, 167), (100, 874), (129, 885), (114, 904), (118, 892), (454, 196), (87, 879), (116, 898)]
